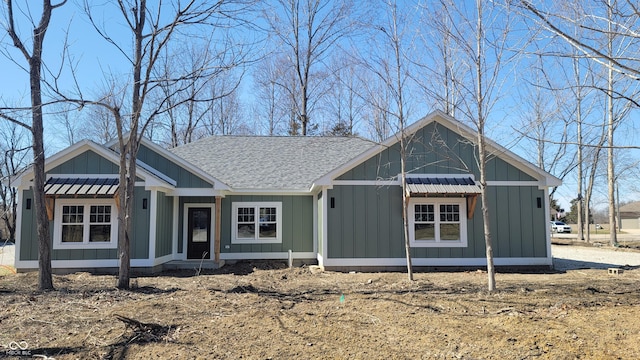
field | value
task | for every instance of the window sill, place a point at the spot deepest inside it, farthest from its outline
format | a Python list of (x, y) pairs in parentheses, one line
[(256, 241), (84, 246)]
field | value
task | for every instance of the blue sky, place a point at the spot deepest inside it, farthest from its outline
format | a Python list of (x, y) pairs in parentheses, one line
[(94, 57)]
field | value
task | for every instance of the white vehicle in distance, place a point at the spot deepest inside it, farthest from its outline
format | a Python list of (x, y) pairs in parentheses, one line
[(560, 227)]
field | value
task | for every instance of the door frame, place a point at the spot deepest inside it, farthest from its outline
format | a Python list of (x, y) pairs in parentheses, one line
[(185, 226)]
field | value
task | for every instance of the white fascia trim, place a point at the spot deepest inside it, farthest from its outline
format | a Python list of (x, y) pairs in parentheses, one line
[(294, 192), (217, 184), (515, 183), (150, 169), (522, 261), (458, 127), (367, 182), (267, 255), (455, 176), (195, 192)]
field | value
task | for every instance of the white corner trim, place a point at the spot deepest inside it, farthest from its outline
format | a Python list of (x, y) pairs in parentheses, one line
[(176, 220), (315, 223), (153, 222)]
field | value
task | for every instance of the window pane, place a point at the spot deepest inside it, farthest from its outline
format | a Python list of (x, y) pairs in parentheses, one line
[(268, 231), (449, 213), (72, 214), (425, 232), (246, 231), (72, 233), (99, 233), (449, 232), (268, 214), (423, 212), (246, 215)]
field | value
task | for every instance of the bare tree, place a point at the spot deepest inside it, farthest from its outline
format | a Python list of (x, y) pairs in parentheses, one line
[(440, 79), (608, 38), (272, 99), (225, 115), (307, 31), (153, 30), (14, 158), (343, 103), (389, 64), (481, 35), (33, 58)]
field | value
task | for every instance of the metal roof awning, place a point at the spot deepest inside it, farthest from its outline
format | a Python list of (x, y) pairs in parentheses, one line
[(81, 186), (442, 185)]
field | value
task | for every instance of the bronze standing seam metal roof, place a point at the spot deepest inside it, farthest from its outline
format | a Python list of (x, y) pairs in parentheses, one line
[(442, 185), (81, 186)]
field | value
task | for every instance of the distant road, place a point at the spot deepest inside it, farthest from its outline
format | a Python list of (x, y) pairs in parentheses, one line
[(569, 257)]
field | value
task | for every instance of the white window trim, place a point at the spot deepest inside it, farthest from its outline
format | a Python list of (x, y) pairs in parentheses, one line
[(57, 224), (256, 206), (463, 242)]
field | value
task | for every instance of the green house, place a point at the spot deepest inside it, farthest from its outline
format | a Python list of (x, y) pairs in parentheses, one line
[(334, 201)]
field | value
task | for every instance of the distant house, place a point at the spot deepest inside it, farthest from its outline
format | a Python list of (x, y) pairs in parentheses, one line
[(335, 201), (630, 215)]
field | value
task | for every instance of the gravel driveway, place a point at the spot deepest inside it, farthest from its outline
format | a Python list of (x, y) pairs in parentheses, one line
[(567, 257)]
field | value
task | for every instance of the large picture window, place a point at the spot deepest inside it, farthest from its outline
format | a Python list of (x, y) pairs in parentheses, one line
[(85, 223), (437, 222), (259, 222)]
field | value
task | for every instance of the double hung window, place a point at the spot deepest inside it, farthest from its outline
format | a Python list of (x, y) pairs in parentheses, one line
[(259, 222), (86, 223), (438, 222)]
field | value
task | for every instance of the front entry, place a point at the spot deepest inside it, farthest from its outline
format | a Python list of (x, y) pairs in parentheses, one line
[(199, 233)]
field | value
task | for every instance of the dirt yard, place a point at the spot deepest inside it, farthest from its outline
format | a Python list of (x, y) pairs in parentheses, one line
[(266, 311)]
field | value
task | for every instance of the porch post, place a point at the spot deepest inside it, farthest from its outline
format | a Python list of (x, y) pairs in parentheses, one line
[(218, 225)]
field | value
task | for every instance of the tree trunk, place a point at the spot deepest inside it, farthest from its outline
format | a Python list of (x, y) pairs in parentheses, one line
[(45, 280), (482, 156)]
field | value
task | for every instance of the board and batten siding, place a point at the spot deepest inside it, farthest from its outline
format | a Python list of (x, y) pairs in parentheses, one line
[(434, 149), (367, 223), (183, 177), (86, 163), (164, 224), (297, 224), (367, 219), (29, 239)]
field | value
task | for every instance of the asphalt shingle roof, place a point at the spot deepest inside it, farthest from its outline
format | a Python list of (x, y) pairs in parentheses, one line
[(271, 162)]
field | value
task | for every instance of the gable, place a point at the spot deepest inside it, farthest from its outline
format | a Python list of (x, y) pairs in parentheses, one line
[(87, 162), (434, 149), (183, 177)]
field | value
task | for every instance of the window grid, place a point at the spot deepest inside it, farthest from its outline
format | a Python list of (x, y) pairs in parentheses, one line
[(257, 222), (438, 222), (88, 224)]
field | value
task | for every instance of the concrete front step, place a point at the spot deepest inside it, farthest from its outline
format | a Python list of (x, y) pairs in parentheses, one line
[(192, 265)]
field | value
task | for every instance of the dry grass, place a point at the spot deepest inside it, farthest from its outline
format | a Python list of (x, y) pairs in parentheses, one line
[(265, 311)]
